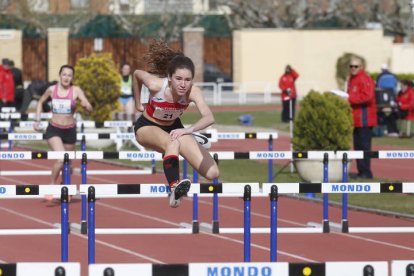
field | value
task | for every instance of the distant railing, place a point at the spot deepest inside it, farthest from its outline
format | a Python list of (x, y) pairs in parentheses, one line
[(234, 93), (230, 93)]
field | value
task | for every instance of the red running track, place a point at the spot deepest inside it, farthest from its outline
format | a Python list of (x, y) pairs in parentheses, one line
[(202, 247)]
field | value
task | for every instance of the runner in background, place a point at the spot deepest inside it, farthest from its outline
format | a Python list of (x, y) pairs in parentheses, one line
[(127, 98), (61, 131)]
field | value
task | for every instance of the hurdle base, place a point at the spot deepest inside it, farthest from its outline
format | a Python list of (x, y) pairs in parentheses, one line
[(325, 226), (84, 227), (196, 227), (310, 195), (59, 226), (345, 226), (216, 227)]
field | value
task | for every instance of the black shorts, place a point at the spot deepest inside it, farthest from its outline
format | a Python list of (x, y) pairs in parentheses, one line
[(142, 121), (68, 135)]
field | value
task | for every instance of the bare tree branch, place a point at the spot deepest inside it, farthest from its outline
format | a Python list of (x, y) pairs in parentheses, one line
[(4, 4), (394, 15)]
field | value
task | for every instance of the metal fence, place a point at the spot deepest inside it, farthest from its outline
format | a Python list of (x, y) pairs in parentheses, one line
[(233, 93)]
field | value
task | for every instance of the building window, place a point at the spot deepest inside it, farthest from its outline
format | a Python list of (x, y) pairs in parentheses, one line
[(161, 6), (38, 5), (124, 6), (77, 4)]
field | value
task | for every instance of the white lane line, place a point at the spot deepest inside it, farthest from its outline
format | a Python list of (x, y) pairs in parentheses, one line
[(239, 241), (253, 213), (260, 247), (11, 180), (40, 221), (375, 241), (34, 165), (25, 164), (129, 212), (112, 246)]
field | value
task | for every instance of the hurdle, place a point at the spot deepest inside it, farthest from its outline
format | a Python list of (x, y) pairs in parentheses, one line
[(39, 191), (136, 155), (28, 155), (59, 155), (159, 190), (28, 269), (144, 190), (402, 267), (32, 116), (367, 268), (371, 187)]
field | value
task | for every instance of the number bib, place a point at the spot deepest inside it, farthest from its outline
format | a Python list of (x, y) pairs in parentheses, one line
[(126, 89), (61, 106), (167, 114)]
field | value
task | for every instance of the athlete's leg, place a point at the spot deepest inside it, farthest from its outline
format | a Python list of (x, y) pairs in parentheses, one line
[(157, 139), (198, 157), (56, 144), (130, 106), (153, 137)]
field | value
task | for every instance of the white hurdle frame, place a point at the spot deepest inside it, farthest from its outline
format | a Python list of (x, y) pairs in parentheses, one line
[(236, 190), (249, 268), (294, 188), (160, 191), (41, 268)]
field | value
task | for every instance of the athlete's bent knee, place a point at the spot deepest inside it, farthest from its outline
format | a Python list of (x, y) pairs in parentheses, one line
[(173, 145), (212, 173)]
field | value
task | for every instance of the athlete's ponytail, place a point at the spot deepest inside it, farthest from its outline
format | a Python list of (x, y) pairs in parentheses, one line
[(163, 61)]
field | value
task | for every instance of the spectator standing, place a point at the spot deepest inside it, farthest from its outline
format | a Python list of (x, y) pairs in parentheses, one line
[(361, 92), (18, 85), (287, 85), (6, 84), (387, 83), (405, 107), (387, 80), (127, 98)]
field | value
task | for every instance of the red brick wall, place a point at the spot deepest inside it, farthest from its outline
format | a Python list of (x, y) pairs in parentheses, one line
[(218, 51)]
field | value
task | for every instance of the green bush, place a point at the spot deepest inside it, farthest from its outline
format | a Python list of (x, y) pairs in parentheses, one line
[(98, 77), (324, 122)]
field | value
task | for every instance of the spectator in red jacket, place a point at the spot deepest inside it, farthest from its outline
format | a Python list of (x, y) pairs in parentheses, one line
[(404, 107), (361, 92), (405, 101), (287, 85), (6, 84)]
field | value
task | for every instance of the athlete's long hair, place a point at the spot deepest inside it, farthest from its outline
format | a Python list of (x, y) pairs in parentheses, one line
[(163, 61)]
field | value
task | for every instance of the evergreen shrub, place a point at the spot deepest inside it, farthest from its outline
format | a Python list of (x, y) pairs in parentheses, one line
[(324, 122), (98, 77)]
